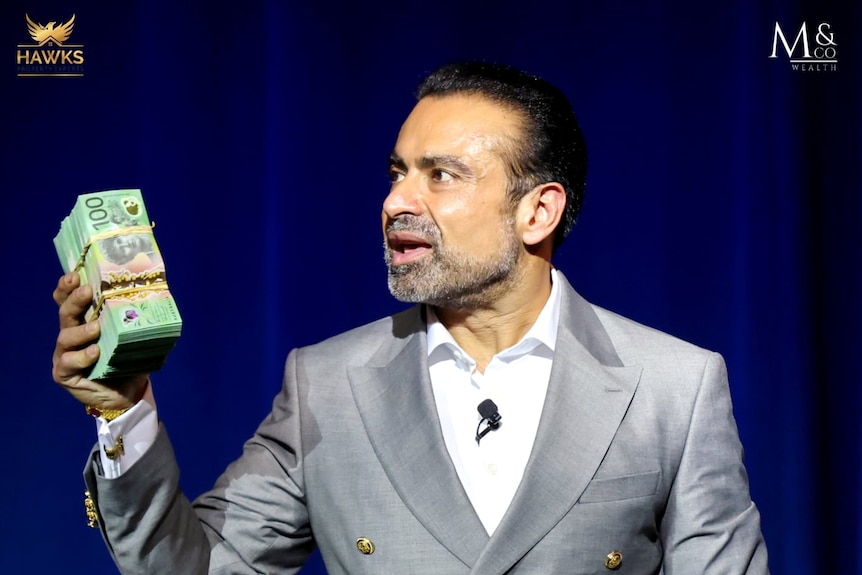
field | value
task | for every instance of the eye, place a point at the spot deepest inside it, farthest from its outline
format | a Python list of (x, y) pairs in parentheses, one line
[(439, 175), (395, 175)]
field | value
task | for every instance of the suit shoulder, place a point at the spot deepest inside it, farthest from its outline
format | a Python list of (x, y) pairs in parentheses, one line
[(639, 343), (366, 340)]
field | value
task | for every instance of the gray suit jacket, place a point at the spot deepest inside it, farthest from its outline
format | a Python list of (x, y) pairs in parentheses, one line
[(637, 452)]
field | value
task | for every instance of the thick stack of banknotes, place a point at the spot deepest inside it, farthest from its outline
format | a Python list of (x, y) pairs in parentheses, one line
[(108, 240)]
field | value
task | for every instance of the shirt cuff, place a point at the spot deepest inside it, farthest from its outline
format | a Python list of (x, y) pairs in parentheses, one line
[(124, 440)]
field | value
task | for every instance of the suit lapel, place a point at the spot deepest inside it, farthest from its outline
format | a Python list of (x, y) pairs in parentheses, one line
[(396, 403), (588, 394)]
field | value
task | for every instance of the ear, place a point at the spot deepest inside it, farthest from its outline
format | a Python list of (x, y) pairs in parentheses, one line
[(539, 213)]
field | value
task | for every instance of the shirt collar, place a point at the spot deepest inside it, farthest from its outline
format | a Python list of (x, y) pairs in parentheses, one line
[(542, 333)]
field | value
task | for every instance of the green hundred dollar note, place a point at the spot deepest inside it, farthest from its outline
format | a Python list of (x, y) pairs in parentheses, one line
[(108, 239)]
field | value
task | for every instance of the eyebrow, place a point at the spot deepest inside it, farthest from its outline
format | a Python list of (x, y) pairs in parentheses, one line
[(446, 160), (396, 161)]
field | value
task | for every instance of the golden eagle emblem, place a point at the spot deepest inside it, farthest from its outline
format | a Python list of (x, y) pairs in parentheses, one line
[(47, 34)]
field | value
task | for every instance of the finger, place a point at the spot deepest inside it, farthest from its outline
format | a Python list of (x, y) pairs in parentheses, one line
[(78, 337), (65, 285), (73, 308), (70, 366)]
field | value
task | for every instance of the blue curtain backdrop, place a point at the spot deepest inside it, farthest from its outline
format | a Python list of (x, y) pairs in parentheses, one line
[(724, 205)]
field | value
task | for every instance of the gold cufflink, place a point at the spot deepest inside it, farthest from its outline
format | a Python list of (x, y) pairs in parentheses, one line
[(613, 560), (90, 508), (365, 546), (116, 450)]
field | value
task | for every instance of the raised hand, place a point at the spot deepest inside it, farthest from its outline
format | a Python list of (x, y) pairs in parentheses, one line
[(76, 352)]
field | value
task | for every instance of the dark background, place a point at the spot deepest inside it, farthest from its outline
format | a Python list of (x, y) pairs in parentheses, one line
[(723, 205)]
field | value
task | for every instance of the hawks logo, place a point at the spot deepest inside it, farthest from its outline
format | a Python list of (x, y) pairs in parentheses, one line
[(51, 55), (49, 33)]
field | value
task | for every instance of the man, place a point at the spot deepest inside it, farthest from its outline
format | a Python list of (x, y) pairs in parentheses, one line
[(617, 448)]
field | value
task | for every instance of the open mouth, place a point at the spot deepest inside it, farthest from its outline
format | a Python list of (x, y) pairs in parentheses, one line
[(407, 247)]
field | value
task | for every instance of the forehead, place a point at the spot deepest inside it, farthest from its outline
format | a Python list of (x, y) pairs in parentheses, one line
[(467, 123)]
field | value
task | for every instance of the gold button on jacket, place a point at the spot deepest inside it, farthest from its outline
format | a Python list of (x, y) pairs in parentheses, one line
[(365, 546), (613, 560)]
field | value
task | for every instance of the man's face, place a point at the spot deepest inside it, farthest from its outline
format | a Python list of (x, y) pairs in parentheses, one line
[(449, 229)]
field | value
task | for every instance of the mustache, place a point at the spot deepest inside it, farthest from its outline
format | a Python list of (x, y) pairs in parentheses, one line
[(416, 225)]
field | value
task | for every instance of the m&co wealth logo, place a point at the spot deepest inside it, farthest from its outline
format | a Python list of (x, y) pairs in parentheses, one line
[(51, 54), (814, 48)]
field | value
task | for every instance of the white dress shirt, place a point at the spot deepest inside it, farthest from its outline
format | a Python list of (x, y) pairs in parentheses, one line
[(516, 379)]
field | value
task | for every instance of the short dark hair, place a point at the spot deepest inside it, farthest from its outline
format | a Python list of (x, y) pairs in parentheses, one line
[(553, 150)]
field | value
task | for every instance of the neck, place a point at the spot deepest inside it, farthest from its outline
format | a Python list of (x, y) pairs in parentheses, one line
[(483, 333)]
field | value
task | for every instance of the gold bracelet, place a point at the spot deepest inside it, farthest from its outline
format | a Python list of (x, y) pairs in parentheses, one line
[(106, 414)]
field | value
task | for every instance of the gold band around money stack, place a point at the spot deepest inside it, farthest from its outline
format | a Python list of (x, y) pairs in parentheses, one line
[(126, 292), (129, 291), (133, 230), (106, 414)]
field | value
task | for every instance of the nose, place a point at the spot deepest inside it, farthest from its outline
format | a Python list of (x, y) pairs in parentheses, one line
[(403, 199)]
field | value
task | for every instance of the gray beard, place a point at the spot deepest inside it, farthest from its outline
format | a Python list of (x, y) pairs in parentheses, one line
[(450, 278)]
